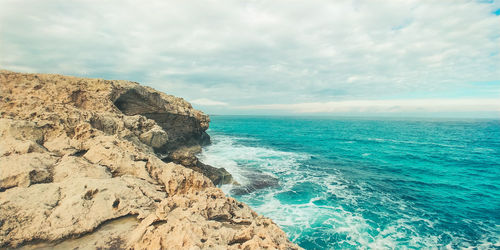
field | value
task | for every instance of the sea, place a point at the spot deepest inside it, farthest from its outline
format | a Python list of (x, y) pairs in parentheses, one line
[(366, 183)]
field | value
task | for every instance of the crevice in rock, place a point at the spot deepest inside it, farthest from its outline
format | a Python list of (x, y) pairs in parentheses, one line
[(158, 223), (79, 153), (89, 195), (238, 241), (116, 203), (220, 218)]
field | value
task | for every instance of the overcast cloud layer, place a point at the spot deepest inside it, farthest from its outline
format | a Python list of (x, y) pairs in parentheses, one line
[(256, 57)]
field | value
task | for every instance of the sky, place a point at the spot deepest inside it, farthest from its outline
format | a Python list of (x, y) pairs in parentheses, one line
[(315, 57)]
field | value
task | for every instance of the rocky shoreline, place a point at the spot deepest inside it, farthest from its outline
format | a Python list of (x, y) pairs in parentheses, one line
[(92, 163)]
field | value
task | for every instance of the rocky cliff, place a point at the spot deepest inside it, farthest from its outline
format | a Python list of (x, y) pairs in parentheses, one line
[(92, 163)]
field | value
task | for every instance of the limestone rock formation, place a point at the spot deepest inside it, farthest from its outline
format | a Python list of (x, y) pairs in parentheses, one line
[(91, 163)]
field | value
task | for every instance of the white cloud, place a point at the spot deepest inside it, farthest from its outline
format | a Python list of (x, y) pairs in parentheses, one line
[(262, 52), (386, 106), (208, 102)]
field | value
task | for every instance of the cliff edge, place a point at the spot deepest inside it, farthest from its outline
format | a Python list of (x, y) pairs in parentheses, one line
[(92, 163)]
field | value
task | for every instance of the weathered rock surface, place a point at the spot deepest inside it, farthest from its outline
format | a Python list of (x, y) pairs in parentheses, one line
[(186, 156), (79, 167)]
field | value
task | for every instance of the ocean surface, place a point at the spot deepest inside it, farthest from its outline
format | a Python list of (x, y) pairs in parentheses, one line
[(341, 183)]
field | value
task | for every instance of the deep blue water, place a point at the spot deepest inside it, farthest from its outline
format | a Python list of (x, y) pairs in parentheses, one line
[(366, 183)]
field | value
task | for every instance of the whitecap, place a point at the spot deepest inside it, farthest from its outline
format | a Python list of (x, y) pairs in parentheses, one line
[(334, 211)]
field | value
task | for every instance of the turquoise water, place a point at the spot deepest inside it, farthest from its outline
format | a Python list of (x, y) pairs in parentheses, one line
[(366, 183)]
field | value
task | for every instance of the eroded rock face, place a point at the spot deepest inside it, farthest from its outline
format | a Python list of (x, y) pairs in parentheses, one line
[(79, 167), (186, 156), (181, 223), (185, 125)]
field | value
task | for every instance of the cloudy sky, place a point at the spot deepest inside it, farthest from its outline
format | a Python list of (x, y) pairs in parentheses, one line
[(400, 57)]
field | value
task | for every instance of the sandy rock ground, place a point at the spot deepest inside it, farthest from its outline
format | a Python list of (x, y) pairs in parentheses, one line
[(80, 167)]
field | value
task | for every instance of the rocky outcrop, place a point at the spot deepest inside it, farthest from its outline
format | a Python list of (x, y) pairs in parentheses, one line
[(184, 125), (186, 156), (80, 167)]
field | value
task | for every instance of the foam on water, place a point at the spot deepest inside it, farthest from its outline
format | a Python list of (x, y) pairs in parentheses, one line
[(244, 161), (319, 206), (301, 218)]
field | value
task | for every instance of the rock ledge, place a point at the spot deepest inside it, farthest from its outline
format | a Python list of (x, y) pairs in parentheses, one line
[(92, 163)]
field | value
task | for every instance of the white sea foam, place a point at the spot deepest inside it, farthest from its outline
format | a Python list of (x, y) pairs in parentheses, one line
[(318, 214), (223, 153)]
